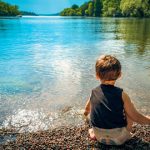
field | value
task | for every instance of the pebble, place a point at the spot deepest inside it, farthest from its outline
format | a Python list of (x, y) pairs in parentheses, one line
[(73, 138)]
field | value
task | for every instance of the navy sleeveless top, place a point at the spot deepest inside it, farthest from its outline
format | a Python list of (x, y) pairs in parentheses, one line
[(107, 109)]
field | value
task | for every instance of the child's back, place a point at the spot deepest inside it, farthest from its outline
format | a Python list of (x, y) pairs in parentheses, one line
[(111, 111), (107, 110)]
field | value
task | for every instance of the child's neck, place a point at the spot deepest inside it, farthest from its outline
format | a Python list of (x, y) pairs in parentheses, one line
[(108, 82)]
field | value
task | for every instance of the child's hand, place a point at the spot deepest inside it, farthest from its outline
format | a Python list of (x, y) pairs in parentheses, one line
[(86, 113), (86, 116)]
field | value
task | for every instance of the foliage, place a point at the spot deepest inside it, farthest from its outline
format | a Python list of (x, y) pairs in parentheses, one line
[(135, 8), (71, 12), (83, 8), (110, 8), (97, 8), (75, 6), (28, 13), (8, 10), (86, 12), (91, 9), (75, 10)]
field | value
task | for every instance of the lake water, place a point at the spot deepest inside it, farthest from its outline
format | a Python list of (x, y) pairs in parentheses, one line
[(47, 66)]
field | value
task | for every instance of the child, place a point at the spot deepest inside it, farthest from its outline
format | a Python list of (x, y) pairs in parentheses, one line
[(111, 111)]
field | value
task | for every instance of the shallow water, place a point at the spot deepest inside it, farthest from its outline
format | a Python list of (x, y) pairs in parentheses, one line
[(47, 66)]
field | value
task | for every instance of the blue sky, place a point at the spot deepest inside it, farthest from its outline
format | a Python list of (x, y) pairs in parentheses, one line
[(44, 6)]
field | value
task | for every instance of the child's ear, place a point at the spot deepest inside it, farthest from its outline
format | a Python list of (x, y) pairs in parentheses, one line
[(120, 75), (97, 77)]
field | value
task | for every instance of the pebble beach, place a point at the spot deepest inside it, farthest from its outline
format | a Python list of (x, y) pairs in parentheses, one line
[(69, 138)]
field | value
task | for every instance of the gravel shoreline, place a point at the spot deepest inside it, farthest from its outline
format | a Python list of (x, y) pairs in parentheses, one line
[(70, 138)]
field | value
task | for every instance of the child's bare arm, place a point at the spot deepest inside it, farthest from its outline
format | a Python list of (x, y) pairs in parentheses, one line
[(132, 112), (87, 108)]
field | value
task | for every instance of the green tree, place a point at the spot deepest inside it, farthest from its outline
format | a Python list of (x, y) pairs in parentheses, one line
[(86, 12), (78, 12), (8, 10), (75, 6), (90, 9), (28, 13), (83, 8), (68, 12), (146, 8), (97, 8), (135, 8), (111, 8), (71, 12)]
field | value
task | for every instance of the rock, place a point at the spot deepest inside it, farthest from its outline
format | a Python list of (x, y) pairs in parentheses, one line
[(73, 138)]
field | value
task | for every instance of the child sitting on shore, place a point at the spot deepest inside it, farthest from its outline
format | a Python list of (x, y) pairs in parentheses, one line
[(111, 111)]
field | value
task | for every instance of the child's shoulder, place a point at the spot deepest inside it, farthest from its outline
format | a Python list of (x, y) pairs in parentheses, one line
[(108, 88), (97, 88)]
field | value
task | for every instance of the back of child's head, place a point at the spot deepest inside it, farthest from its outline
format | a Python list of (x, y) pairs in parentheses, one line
[(108, 68)]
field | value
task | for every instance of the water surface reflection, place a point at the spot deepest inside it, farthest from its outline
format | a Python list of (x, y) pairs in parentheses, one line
[(47, 65)]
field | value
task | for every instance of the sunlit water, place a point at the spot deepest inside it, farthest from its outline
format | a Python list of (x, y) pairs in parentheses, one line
[(47, 66)]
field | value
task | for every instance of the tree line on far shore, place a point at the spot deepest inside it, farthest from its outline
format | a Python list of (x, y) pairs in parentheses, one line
[(110, 8), (8, 10), (12, 10)]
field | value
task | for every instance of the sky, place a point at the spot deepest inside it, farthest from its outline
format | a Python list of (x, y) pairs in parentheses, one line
[(44, 6)]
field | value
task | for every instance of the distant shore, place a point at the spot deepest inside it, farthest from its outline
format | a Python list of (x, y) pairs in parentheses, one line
[(72, 138), (10, 17)]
